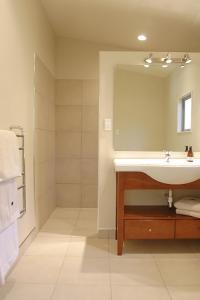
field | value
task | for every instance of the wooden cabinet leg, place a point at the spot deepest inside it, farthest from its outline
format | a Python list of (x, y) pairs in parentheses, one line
[(120, 244), (120, 237), (119, 214)]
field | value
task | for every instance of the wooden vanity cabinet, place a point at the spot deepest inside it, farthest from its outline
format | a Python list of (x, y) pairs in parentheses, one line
[(150, 222)]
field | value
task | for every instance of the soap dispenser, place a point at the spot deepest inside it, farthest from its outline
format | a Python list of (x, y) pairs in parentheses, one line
[(190, 155)]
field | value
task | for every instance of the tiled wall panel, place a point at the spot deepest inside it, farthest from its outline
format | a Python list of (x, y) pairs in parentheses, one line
[(76, 143)]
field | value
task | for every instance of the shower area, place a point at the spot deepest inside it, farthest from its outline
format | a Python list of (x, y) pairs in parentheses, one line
[(65, 142)]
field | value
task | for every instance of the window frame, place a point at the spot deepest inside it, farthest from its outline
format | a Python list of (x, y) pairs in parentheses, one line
[(181, 113)]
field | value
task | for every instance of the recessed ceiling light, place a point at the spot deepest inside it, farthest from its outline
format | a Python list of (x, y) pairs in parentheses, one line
[(142, 37), (146, 65)]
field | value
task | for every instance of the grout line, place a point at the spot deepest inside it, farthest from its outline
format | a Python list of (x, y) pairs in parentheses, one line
[(165, 285), (109, 262), (70, 239), (81, 150)]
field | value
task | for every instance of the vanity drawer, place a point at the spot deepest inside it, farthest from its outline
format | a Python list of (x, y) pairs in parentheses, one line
[(149, 229), (188, 229)]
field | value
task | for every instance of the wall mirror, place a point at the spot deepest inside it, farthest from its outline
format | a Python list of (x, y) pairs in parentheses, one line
[(156, 108)]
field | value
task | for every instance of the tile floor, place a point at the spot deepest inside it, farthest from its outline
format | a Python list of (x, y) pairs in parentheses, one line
[(67, 261)]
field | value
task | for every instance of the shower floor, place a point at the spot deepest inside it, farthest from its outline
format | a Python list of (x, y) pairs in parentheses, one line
[(68, 260)]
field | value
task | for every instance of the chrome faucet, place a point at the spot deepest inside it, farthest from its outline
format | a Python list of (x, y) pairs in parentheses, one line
[(167, 156)]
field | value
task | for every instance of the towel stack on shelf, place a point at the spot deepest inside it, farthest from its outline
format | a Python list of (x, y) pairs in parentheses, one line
[(9, 209), (189, 206)]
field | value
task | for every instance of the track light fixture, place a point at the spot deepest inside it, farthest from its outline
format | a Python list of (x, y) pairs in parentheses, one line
[(167, 60)]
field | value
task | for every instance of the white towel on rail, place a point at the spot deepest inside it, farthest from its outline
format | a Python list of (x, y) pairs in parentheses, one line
[(9, 250), (188, 203), (9, 155), (9, 203), (188, 213)]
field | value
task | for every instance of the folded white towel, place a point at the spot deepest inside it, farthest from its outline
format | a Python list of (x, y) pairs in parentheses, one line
[(9, 156), (9, 203), (9, 250), (188, 203), (188, 213)]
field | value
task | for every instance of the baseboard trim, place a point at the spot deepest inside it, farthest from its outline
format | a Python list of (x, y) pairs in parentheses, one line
[(106, 233)]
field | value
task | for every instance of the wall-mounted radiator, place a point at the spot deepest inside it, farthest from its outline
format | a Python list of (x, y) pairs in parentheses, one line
[(18, 130)]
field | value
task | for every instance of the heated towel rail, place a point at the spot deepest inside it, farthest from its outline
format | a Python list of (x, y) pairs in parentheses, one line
[(18, 130)]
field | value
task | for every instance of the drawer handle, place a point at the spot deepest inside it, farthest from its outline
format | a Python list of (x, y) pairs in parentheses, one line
[(149, 230)]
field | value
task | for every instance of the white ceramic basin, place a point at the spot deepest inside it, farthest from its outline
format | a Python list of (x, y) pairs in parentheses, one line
[(176, 171)]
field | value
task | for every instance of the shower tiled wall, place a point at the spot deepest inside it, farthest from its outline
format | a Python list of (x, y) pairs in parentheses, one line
[(44, 142), (76, 142)]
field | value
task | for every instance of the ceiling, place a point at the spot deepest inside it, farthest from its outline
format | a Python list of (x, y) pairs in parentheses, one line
[(169, 25)]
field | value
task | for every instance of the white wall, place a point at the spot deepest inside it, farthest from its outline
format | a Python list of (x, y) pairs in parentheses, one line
[(77, 59), (139, 110), (44, 159), (24, 30)]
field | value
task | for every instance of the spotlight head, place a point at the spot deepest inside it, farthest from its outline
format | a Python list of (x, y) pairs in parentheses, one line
[(168, 60), (146, 65), (164, 66), (149, 59), (187, 59)]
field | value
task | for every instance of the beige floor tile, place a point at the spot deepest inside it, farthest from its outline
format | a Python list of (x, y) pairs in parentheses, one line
[(132, 249), (85, 271), (59, 226), (176, 255), (36, 269), (68, 213), (88, 213), (86, 223), (185, 293), (49, 244), (139, 293), (24, 291), (88, 248), (180, 271), (74, 292), (85, 232), (173, 249), (196, 245), (135, 272)]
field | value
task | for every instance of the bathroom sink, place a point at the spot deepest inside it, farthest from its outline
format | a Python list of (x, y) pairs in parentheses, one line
[(176, 171)]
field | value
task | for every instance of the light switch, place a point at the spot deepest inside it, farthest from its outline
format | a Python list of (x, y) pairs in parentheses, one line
[(108, 124)]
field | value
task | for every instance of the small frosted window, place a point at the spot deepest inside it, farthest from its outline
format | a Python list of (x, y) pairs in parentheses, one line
[(185, 113)]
